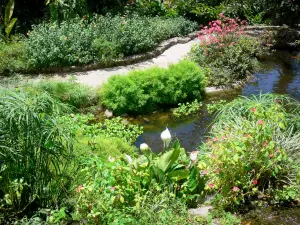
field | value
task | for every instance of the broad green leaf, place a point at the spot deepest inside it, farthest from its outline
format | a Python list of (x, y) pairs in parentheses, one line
[(236, 158), (168, 159), (9, 9), (179, 174), (10, 26)]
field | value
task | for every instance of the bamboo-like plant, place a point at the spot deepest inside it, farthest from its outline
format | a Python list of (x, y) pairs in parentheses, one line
[(34, 152), (8, 22)]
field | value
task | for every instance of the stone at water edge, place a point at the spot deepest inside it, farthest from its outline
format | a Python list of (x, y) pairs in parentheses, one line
[(108, 114), (201, 211)]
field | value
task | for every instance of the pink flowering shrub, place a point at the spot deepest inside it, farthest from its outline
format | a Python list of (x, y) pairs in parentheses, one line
[(226, 49), (243, 158)]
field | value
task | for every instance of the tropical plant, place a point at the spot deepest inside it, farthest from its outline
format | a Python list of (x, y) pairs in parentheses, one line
[(61, 10), (34, 151), (8, 21)]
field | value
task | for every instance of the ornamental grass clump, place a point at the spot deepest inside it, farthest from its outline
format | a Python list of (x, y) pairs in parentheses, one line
[(35, 153), (245, 158)]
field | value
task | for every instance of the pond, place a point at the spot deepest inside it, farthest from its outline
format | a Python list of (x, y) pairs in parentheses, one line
[(280, 73)]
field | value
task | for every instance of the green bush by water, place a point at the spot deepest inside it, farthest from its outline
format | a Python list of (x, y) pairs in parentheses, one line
[(144, 91)]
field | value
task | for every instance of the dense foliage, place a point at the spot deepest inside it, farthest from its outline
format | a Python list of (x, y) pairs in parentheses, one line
[(144, 91), (248, 155), (35, 152), (227, 51), (97, 39)]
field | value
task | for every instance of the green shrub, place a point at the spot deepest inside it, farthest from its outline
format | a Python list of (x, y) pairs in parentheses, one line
[(245, 156), (144, 91), (71, 93), (35, 152), (227, 51), (12, 58), (83, 41)]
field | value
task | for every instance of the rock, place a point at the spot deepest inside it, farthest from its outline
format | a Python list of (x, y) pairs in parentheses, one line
[(108, 114), (201, 211), (125, 122), (146, 119), (99, 109)]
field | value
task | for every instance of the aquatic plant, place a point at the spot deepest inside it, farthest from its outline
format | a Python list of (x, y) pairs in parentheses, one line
[(186, 109)]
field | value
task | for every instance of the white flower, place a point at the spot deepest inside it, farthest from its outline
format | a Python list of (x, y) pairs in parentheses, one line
[(193, 155), (144, 146), (166, 137), (111, 159), (128, 158)]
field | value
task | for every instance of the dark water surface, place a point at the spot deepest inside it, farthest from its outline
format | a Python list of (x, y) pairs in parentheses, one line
[(280, 74)]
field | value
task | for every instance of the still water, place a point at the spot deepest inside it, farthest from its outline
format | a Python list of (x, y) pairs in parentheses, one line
[(280, 73)]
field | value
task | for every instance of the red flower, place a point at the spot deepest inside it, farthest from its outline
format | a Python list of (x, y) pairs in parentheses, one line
[(211, 185), (278, 100), (271, 155), (246, 135), (265, 143), (255, 182), (260, 122), (253, 110)]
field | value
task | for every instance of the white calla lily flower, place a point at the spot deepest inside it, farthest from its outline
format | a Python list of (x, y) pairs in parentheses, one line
[(166, 137), (144, 146), (128, 158)]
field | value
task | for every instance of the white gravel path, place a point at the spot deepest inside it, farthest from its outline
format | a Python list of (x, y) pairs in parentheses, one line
[(97, 77)]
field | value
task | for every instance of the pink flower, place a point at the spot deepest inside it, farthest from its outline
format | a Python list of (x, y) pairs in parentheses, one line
[(265, 143), (79, 188), (211, 185), (271, 155), (253, 110), (235, 188), (204, 172), (260, 122), (113, 188), (276, 150), (246, 135), (255, 182), (213, 155), (124, 23), (278, 101)]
